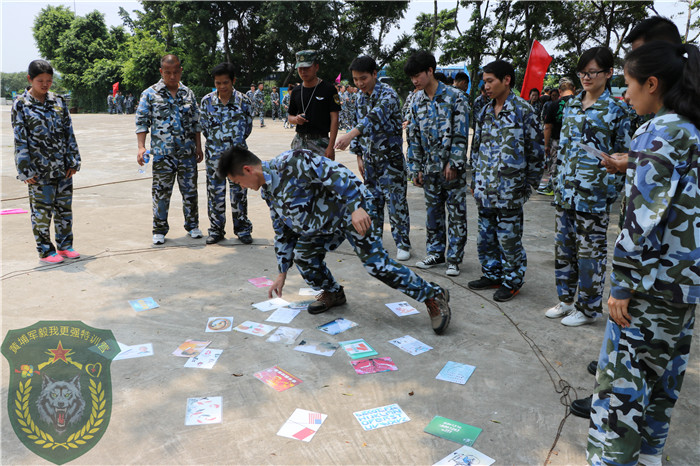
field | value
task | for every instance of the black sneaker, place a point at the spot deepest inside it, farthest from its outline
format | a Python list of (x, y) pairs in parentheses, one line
[(213, 239), (582, 407), (592, 367), (431, 260), (439, 311), (246, 239), (504, 294), (484, 283), (326, 300)]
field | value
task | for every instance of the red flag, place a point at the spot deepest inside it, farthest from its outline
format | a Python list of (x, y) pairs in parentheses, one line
[(537, 66), (115, 89)]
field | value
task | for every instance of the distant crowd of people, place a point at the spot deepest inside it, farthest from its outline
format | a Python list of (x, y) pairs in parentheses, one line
[(119, 104)]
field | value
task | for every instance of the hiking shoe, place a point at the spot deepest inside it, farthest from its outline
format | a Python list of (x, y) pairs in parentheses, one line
[(52, 258), (431, 260), (158, 239), (213, 239), (560, 310), (326, 300), (403, 254), (195, 233), (245, 239), (546, 191), (592, 367), (452, 270), (581, 407), (484, 283), (439, 311), (69, 253), (577, 318), (504, 294)]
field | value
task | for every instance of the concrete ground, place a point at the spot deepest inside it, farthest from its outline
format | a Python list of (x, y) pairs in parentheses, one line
[(522, 359)]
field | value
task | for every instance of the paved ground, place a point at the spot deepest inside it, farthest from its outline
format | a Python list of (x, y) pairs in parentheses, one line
[(521, 357)]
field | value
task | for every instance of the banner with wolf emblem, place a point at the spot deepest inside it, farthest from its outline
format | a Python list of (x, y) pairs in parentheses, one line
[(60, 395)]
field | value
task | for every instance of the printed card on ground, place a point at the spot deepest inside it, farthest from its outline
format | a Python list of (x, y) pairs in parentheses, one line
[(206, 410), (277, 378), (270, 304), (373, 365), (308, 291), (134, 351), (261, 282), (337, 326), (204, 360), (410, 345), (453, 430), (286, 335), (322, 348), (383, 416), (455, 372), (464, 456), (358, 349), (302, 425), (402, 309), (283, 315), (143, 304), (254, 328), (219, 324), (190, 348), (300, 305)]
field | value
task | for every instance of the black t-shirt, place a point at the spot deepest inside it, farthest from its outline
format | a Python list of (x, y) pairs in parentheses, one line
[(555, 114), (317, 105)]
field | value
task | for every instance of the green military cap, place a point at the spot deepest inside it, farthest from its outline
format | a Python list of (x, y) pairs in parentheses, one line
[(306, 58)]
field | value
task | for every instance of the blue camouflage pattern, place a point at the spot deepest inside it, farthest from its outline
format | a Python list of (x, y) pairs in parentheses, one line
[(275, 105), (499, 246), (259, 104)]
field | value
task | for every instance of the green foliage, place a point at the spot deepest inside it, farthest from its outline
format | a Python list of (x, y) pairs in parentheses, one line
[(51, 22), (16, 82), (141, 61)]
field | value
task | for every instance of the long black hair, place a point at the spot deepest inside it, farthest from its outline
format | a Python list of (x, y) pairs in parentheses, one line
[(603, 57), (677, 67)]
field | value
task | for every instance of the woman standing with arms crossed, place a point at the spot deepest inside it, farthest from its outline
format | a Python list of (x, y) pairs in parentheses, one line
[(46, 157)]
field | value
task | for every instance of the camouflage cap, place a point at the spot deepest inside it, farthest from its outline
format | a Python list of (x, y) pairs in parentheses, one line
[(306, 58)]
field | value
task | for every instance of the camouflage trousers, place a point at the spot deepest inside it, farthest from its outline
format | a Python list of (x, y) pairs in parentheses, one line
[(314, 143), (387, 181), (276, 111), (500, 246), (441, 195), (344, 119), (53, 198), (165, 171), (260, 112), (551, 162), (310, 253), (640, 373), (216, 203), (580, 254)]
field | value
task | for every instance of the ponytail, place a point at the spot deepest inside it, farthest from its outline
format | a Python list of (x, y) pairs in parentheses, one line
[(684, 96)]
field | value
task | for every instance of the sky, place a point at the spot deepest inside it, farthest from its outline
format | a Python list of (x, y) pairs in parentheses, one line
[(18, 47)]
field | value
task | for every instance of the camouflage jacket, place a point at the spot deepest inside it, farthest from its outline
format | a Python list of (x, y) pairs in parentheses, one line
[(582, 183), (45, 145), (275, 97), (259, 99), (438, 131), (658, 250), (479, 103), (173, 122), (251, 96), (406, 109), (225, 125), (308, 195), (507, 157), (379, 122)]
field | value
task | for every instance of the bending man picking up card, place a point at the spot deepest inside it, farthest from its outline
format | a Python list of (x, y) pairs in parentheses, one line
[(315, 204)]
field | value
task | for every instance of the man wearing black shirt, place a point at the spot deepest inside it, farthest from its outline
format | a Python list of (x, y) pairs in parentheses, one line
[(552, 129), (314, 108)]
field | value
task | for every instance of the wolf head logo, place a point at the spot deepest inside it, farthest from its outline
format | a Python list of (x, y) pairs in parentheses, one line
[(60, 402)]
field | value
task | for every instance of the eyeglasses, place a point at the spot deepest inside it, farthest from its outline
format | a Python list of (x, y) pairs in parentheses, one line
[(589, 74)]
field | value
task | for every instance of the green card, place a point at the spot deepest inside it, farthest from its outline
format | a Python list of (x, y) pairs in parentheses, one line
[(453, 430)]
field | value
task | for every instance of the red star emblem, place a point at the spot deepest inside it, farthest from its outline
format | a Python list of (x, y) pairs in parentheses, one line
[(59, 353)]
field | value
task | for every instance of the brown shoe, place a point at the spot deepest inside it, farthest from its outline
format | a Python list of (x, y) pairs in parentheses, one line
[(439, 311), (326, 300)]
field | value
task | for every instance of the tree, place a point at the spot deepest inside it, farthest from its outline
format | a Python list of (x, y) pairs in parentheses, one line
[(13, 82), (141, 61), (692, 22), (49, 24)]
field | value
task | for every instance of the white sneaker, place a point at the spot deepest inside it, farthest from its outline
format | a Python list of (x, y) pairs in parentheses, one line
[(452, 270), (577, 318), (560, 310), (403, 254), (158, 239), (195, 233)]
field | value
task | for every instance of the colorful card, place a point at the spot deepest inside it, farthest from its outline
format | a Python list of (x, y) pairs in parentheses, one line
[(190, 348), (358, 349), (456, 372), (254, 328), (411, 345), (453, 430), (337, 326), (308, 291), (302, 425), (143, 304), (219, 324), (322, 348), (374, 365), (300, 305), (206, 410), (134, 351), (286, 335), (402, 309), (270, 304), (261, 282), (277, 378), (204, 360), (283, 315), (381, 417), (464, 456)]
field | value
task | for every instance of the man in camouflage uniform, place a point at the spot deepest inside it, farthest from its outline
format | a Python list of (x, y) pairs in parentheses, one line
[(507, 164), (377, 141), (437, 156), (227, 120), (275, 103), (259, 103), (351, 95), (655, 289), (169, 110), (315, 204)]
